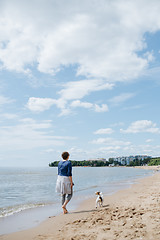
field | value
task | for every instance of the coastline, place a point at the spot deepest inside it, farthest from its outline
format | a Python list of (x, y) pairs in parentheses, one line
[(139, 202), (156, 168)]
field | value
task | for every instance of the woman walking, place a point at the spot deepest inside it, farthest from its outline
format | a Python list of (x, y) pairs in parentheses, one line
[(64, 183)]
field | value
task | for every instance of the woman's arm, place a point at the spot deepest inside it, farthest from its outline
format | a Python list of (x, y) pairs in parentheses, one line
[(70, 178)]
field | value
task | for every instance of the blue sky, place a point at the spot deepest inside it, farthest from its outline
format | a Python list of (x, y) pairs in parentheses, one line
[(78, 76)]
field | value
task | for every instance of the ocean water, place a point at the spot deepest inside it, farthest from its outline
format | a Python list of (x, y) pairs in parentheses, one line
[(34, 188)]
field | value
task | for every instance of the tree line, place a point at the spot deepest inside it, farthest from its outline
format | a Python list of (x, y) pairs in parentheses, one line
[(95, 163), (83, 163), (154, 161)]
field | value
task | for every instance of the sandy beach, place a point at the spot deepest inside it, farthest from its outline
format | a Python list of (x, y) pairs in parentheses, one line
[(132, 213), (155, 168)]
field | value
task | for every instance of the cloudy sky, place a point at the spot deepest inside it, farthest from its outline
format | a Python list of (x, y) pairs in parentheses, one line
[(78, 76)]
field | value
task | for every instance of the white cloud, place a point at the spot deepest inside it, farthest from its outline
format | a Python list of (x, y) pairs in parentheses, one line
[(40, 104), (113, 150), (5, 100), (149, 140), (31, 123), (65, 111), (78, 103), (141, 126), (79, 89), (133, 107), (121, 98), (141, 149), (111, 142), (30, 134), (8, 116), (109, 148), (104, 131), (101, 38), (102, 108), (95, 107)]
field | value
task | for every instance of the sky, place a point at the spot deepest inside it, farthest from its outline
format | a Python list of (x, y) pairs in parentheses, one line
[(78, 76)]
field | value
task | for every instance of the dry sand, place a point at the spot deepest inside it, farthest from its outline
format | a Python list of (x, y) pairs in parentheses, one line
[(132, 213)]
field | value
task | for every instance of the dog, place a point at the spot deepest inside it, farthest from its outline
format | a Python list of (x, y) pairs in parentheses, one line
[(99, 200)]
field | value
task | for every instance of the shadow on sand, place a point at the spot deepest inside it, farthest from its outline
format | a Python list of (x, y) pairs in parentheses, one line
[(91, 210)]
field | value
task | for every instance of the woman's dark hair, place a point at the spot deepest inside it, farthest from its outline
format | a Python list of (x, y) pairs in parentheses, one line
[(65, 155)]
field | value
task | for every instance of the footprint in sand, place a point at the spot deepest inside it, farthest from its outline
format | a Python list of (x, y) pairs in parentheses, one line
[(44, 237), (106, 228)]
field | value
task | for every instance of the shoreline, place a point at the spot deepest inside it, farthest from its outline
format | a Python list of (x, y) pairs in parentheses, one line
[(82, 217), (155, 167), (32, 217)]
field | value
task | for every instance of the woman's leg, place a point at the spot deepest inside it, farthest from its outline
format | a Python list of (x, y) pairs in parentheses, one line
[(68, 198), (63, 198)]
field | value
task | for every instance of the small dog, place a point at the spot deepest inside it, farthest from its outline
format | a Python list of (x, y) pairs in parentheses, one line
[(99, 200)]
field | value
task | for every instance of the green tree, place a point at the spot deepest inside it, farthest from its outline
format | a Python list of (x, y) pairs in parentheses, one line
[(110, 160), (154, 161)]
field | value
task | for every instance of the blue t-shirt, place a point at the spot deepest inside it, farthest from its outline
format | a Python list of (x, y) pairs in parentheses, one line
[(65, 168)]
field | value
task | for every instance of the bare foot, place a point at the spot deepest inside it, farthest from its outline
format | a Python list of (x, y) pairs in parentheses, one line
[(64, 210)]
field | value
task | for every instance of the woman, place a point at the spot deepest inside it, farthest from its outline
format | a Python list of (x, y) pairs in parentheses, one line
[(64, 183)]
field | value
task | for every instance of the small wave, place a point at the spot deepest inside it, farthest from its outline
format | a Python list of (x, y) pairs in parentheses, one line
[(8, 211)]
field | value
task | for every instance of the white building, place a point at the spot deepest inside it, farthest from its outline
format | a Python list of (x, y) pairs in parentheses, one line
[(126, 160)]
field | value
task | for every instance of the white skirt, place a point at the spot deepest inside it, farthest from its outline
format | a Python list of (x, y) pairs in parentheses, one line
[(63, 185)]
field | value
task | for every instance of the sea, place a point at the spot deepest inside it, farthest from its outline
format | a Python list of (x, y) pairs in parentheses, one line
[(28, 197)]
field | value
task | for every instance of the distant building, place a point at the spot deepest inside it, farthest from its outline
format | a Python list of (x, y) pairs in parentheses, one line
[(97, 159), (127, 160)]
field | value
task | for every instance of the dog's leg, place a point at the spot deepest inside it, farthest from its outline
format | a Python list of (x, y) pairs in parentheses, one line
[(96, 203), (102, 203)]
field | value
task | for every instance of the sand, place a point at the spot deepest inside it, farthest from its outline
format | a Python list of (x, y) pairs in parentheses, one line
[(132, 213), (155, 168)]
